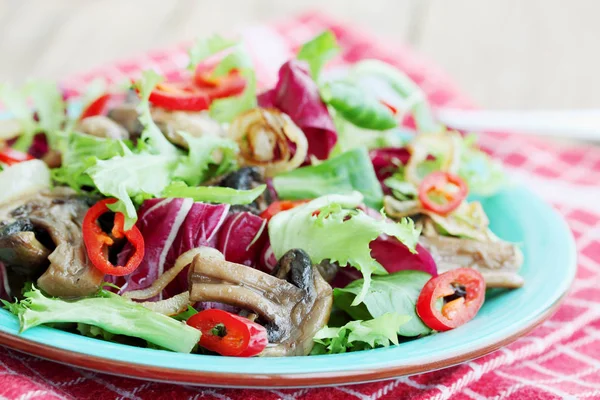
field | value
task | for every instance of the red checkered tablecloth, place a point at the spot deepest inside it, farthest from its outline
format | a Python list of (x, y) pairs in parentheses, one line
[(560, 359)]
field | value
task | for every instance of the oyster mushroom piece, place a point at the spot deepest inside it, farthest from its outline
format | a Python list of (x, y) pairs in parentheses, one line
[(21, 250), (195, 124), (102, 127), (58, 214), (295, 302), (247, 178), (127, 116), (498, 261)]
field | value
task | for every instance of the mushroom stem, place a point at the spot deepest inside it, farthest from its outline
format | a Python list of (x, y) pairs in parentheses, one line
[(236, 274), (244, 298)]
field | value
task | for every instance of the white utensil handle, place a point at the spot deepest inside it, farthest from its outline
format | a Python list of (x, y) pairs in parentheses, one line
[(571, 124)]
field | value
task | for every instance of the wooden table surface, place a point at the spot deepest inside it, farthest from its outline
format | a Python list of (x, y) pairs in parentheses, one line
[(504, 53)]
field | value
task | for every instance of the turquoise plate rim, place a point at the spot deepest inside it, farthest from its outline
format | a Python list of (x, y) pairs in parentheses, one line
[(515, 214)]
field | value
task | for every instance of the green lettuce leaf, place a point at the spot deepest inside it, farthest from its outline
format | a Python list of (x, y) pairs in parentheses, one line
[(226, 109), (204, 48), (404, 87), (213, 194), (205, 151), (47, 101), (81, 152), (401, 189), (331, 227), (131, 175), (185, 315), (152, 138), (318, 51), (94, 331), (109, 312), (16, 104), (351, 171), (360, 335), (459, 155), (483, 174), (357, 106), (50, 107), (351, 136), (393, 293)]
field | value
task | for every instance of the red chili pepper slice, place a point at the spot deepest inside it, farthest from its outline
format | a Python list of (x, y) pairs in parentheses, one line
[(96, 107), (197, 92), (97, 241), (462, 291), (229, 334), (279, 206), (182, 96), (222, 86), (439, 183), (10, 156), (393, 109)]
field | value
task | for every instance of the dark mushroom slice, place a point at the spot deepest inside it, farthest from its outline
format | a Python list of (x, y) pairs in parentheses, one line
[(21, 251), (499, 262), (247, 178), (58, 214), (296, 303), (328, 270)]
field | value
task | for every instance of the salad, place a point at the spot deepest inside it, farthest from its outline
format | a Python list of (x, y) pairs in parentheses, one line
[(199, 212)]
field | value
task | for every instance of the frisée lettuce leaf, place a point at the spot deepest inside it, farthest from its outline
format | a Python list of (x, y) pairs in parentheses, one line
[(331, 227), (205, 151), (204, 48), (46, 102), (152, 138), (108, 311), (131, 175), (81, 152), (226, 109), (360, 335), (15, 101)]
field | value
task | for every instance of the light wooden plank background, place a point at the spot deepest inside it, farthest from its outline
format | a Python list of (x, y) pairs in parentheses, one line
[(504, 53)]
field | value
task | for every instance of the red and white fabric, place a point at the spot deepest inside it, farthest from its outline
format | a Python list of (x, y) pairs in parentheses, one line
[(560, 359)]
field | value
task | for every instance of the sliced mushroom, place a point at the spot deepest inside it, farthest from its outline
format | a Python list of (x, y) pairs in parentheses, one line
[(127, 116), (328, 270), (195, 124), (59, 214), (498, 262), (296, 302), (102, 127), (21, 251), (53, 158)]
